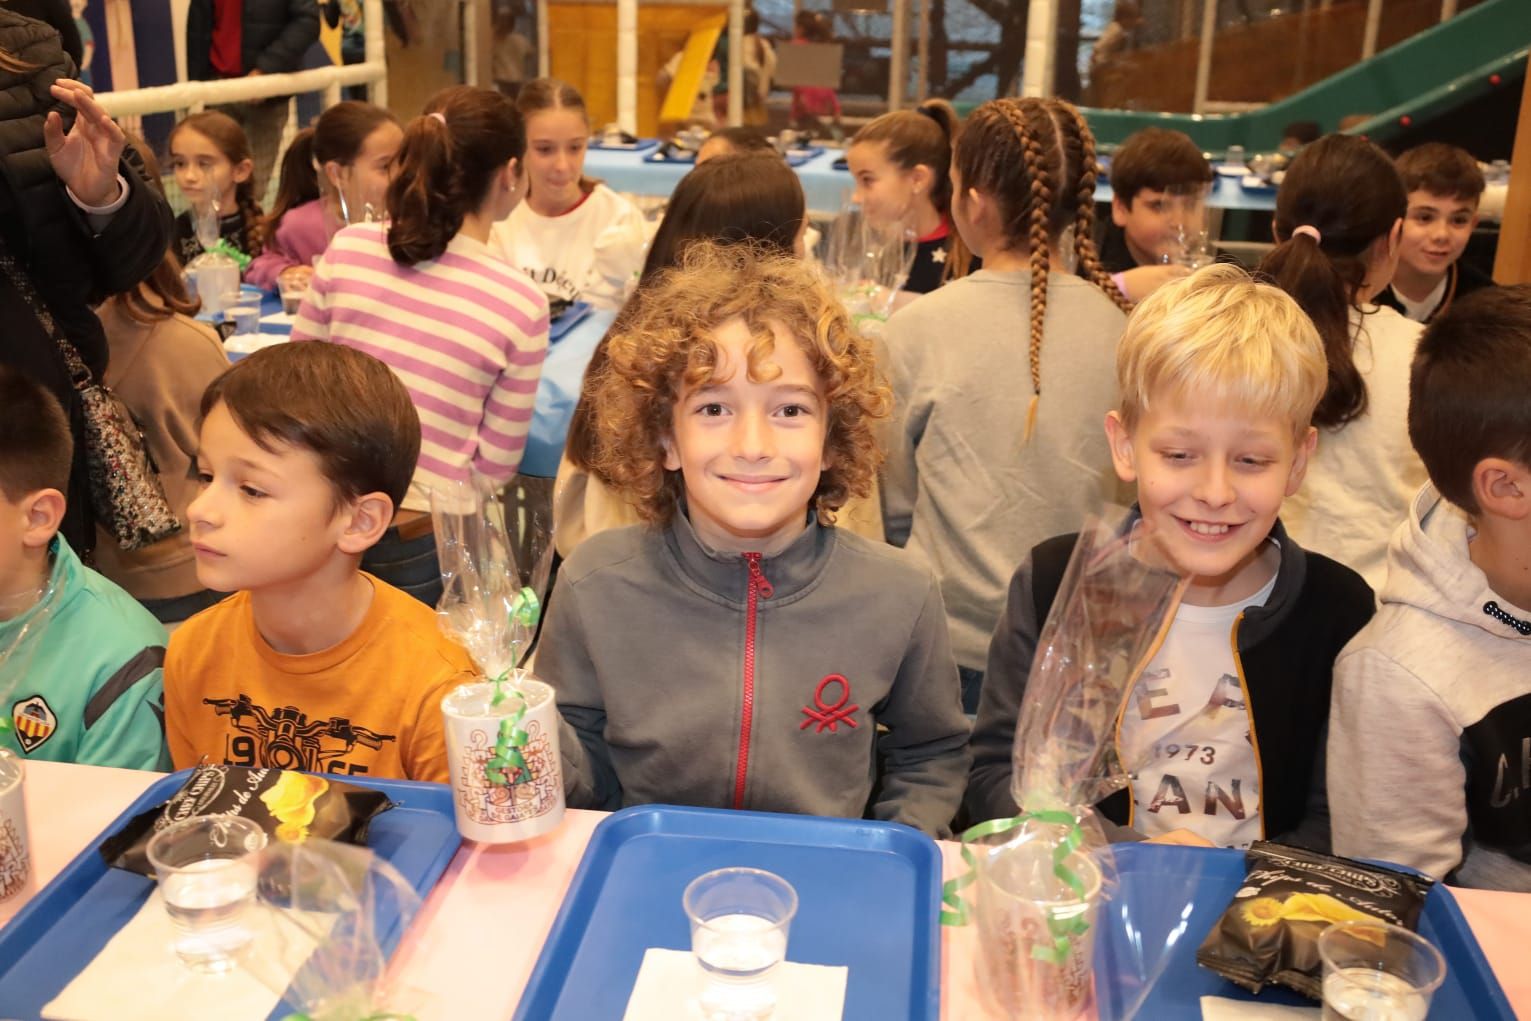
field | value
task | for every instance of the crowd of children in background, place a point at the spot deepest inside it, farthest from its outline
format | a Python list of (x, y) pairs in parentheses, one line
[(1347, 426)]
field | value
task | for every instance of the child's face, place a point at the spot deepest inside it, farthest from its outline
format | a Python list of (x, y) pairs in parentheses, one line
[(365, 181), (1153, 221), (263, 519), (203, 173), (1435, 231), (885, 191), (751, 452), (555, 154), (1210, 484)]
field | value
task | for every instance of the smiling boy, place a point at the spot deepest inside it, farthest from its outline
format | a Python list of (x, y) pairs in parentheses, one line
[(305, 451), (1221, 731), (738, 650), (1444, 186)]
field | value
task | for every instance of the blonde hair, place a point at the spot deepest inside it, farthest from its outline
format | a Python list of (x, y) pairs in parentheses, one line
[(1229, 341), (663, 346)]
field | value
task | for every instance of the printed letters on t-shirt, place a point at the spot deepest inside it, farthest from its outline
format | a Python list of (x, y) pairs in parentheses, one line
[(285, 738)]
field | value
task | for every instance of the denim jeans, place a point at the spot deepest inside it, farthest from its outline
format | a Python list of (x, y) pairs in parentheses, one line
[(410, 565)]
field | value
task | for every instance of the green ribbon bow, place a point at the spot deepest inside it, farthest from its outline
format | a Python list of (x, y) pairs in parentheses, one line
[(222, 247), (507, 767), (1063, 930)]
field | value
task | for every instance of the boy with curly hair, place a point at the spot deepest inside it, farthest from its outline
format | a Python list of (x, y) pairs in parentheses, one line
[(737, 650)]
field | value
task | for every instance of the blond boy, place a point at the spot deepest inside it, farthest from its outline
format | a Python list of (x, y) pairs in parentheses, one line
[(1221, 731)]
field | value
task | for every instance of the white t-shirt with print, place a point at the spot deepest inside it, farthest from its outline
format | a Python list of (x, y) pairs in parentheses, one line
[(1185, 735), (591, 253)]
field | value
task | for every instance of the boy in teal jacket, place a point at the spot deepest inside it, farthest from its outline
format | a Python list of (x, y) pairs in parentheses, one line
[(80, 677)]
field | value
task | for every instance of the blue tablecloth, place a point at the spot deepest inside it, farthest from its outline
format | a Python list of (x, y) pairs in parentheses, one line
[(826, 188), (558, 392)]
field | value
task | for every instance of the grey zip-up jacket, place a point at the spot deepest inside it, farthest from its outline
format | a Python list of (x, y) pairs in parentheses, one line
[(695, 677)]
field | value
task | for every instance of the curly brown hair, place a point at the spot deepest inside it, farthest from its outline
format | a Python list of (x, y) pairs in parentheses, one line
[(663, 347)]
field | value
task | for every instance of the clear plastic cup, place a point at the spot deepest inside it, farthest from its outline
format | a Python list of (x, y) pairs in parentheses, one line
[(246, 319), (293, 287), (207, 867), (1374, 971), (739, 923)]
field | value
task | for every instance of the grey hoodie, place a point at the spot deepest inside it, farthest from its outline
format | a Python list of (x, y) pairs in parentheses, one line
[(1430, 728), (691, 676)]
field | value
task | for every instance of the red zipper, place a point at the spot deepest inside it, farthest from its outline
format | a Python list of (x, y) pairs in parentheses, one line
[(758, 586)]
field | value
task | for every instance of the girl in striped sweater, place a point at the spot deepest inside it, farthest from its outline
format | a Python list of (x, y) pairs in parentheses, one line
[(425, 293)]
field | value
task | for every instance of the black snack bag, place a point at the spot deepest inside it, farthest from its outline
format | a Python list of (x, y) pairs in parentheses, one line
[(288, 806), (1269, 934)]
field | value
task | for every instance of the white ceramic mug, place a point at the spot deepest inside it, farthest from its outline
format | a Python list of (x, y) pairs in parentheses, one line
[(529, 805)]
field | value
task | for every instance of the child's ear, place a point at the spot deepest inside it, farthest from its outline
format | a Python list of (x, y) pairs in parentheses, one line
[(1299, 470), (331, 171), (922, 177), (671, 455), (242, 171), (369, 517), (42, 513), (1123, 458), (1502, 488), (1119, 211)]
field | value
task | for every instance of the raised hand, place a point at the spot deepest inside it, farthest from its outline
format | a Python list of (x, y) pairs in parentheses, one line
[(86, 158)]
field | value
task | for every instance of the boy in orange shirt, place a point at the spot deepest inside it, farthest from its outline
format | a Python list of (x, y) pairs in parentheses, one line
[(306, 449)]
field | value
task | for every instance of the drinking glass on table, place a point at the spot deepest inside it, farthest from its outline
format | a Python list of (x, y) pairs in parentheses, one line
[(1374, 971), (739, 922), (207, 867), (293, 284)]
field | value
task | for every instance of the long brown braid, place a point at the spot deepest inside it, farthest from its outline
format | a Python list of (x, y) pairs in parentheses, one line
[(1082, 145)]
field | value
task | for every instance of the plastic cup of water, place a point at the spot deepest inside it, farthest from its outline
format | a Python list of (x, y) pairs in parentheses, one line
[(293, 286), (246, 319), (739, 923), (1374, 971), (207, 867)]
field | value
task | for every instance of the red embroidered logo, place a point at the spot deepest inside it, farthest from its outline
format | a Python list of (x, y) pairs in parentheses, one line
[(826, 715)]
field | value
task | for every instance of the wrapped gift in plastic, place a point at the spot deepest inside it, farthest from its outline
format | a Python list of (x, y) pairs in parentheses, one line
[(867, 263), (1046, 896), (502, 730)]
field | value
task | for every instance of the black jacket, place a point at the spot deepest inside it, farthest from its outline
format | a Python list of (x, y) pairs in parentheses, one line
[(1461, 278), (60, 16), (1285, 649), (71, 266), (276, 35)]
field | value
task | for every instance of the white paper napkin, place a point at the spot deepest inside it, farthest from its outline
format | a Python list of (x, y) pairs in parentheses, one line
[(1220, 1008), (670, 979), (138, 977)]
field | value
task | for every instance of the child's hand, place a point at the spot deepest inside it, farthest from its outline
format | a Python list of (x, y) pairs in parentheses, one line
[(295, 277), (1181, 838), (86, 158)]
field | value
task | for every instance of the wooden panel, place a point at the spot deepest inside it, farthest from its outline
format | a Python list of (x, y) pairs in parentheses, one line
[(582, 45), (1513, 263)]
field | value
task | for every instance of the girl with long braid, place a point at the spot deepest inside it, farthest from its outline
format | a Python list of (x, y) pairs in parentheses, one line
[(1001, 379)]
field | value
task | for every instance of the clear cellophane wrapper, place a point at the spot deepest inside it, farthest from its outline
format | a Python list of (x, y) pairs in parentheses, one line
[(327, 915), (1062, 933)]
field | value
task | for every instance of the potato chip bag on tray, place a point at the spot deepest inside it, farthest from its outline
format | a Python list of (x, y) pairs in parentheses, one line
[(1269, 934), (289, 806)]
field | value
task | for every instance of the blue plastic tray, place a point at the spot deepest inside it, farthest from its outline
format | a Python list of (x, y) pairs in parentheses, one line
[(72, 919), (1152, 878), (571, 317), (869, 894)]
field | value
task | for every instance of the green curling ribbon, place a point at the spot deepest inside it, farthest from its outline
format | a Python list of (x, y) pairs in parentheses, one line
[(6, 724), (525, 608), (224, 248), (1063, 930), (507, 767)]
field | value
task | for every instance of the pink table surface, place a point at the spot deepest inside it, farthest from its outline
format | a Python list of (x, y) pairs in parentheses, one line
[(472, 949)]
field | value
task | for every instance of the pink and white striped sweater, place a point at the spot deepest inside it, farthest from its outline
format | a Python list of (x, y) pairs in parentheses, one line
[(466, 332)]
